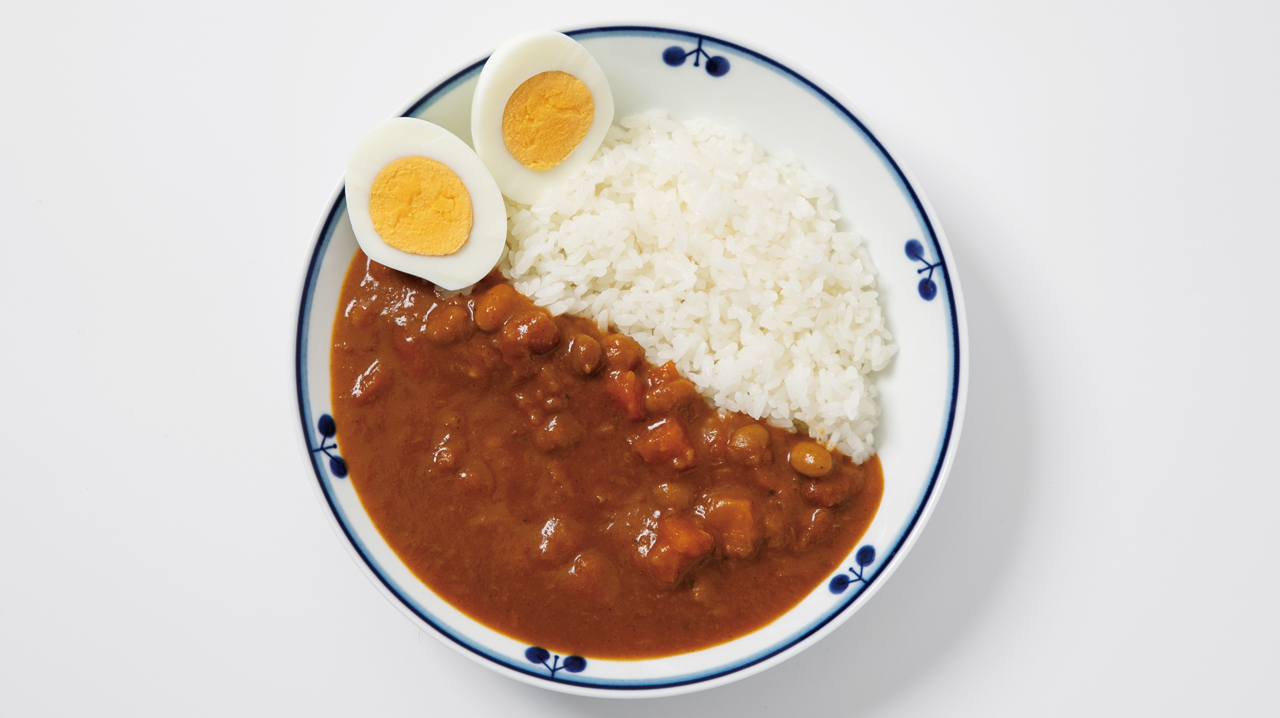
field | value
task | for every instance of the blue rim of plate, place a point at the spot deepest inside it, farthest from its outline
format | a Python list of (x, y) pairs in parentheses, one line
[(945, 447)]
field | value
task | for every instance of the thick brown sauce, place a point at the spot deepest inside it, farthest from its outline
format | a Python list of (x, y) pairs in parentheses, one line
[(545, 480)]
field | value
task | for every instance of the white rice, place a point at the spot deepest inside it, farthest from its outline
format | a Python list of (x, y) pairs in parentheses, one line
[(689, 239)]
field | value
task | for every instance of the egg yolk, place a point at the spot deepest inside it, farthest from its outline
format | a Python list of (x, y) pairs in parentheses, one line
[(545, 118), (419, 205)]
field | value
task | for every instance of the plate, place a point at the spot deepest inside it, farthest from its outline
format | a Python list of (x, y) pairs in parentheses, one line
[(694, 74)]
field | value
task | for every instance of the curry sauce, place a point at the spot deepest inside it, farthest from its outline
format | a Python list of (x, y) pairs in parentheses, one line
[(542, 477)]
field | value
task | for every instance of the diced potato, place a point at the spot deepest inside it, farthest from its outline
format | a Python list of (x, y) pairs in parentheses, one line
[(624, 388), (734, 521), (621, 353), (664, 374), (666, 444), (662, 399), (681, 542), (673, 496)]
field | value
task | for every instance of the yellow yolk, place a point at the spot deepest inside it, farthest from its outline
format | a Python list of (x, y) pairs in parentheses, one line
[(420, 206), (546, 118)]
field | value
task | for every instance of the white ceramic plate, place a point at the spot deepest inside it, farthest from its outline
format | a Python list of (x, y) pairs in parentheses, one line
[(923, 392)]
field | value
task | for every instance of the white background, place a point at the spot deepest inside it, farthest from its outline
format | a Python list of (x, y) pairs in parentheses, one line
[(1106, 173)]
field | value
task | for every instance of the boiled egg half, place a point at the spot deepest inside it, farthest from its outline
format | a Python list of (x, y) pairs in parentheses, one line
[(541, 109), (422, 202)]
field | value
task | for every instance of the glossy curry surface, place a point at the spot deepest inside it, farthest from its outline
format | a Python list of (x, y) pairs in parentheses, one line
[(540, 476)]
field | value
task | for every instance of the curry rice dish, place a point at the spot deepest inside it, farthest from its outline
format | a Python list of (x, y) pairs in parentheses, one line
[(535, 470)]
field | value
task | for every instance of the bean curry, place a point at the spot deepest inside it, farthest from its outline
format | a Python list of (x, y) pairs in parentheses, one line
[(543, 478)]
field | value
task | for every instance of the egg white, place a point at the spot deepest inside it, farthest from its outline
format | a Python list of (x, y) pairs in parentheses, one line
[(517, 60), (410, 137)]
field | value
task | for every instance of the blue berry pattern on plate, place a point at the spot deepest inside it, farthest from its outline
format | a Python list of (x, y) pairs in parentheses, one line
[(328, 429), (675, 56), (541, 656), (928, 290), (865, 557)]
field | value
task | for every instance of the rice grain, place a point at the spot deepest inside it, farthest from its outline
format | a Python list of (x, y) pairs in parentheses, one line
[(726, 261)]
